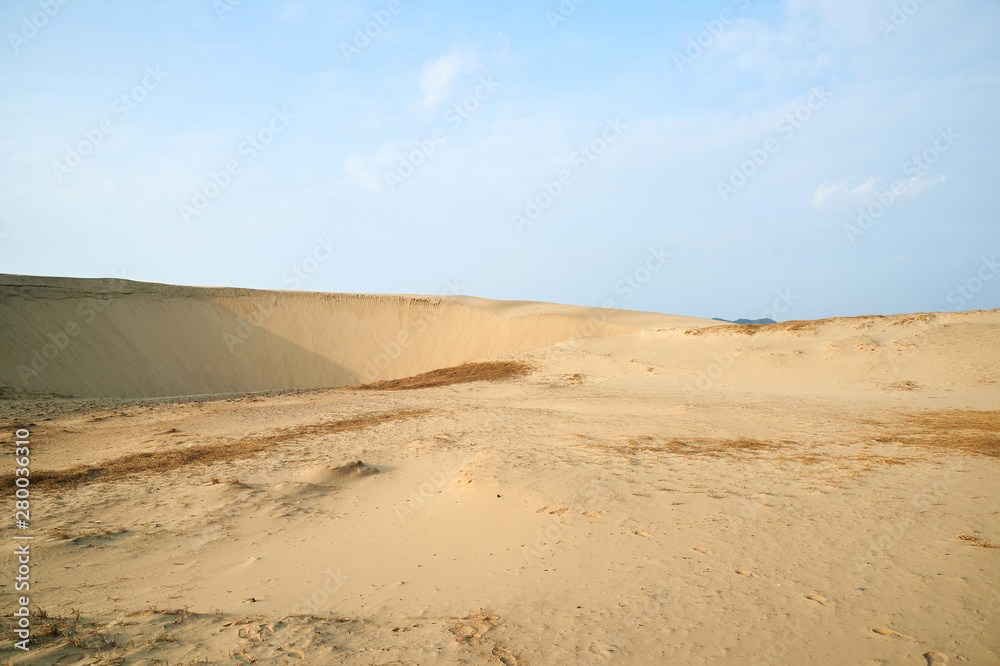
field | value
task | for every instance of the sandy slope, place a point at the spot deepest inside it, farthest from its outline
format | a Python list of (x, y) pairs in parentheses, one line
[(122, 338), (669, 494)]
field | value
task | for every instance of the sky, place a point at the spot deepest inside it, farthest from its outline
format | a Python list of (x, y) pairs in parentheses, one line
[(731, 158)]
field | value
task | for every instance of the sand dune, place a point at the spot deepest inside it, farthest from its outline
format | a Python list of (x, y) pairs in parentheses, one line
[(89, 337), (652, 490)]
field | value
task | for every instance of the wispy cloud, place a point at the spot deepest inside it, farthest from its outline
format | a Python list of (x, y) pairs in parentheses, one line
[(848, 192), (437, 76)]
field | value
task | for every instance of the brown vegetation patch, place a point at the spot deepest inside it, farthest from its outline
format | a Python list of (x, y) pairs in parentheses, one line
[(87, 532), (976, 541), (94, 635), (810, 326), (694, 446), (967, 431), (753, 329), (489, 371), (171, 459), (785, 452)]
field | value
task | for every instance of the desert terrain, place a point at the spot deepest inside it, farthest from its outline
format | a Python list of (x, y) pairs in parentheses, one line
[(227, 476)]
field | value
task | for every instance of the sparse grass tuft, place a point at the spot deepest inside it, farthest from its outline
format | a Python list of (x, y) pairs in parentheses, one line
[(168, 460), (693, 446), (490, 371), (104, 530), (976, 541), (966, 431)]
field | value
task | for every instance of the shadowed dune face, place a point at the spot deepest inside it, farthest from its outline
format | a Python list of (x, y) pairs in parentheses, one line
[(117, 338)]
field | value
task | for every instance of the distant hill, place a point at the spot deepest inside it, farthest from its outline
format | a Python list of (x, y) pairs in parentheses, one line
[(755, 322)]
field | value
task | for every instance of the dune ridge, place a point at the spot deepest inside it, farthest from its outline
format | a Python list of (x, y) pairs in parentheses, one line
[(119, 338)]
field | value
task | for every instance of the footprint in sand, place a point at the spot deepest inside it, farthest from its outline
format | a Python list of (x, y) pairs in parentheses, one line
[(892, 632), (935, 658), (502, 655), (472, 627), (748, 574), (820, 599)]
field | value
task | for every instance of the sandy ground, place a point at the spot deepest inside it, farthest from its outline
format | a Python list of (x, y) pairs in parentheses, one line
[(666, 494)]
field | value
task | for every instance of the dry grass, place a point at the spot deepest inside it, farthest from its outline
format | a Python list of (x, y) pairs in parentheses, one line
[(693, 446), (82, 533), (810, 326), (97, 638), (490, 371), (787, 455), (135, 464), (976, 541), (754, 329), (965, 431)]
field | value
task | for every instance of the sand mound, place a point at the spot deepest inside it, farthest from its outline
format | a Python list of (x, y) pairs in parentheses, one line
[(326, 476), (105, 338)]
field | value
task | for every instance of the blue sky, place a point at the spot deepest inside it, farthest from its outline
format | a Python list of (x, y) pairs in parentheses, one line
[(804, 159)]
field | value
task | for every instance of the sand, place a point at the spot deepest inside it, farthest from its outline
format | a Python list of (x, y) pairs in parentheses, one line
[(616, 488), (119, 338)]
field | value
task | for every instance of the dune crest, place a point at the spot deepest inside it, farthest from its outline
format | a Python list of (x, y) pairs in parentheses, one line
[(118, 338)]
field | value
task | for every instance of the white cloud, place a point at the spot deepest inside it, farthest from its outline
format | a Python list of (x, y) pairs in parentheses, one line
[(503, 50), (437, 76), (848, 192)]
